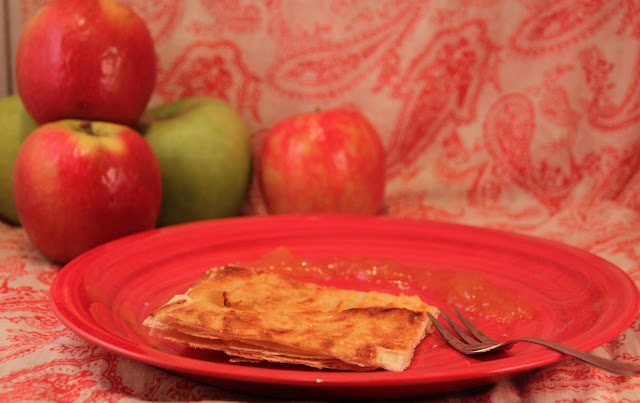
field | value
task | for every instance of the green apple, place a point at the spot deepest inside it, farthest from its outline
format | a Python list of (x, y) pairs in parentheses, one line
[(204, 150), (15, 126)]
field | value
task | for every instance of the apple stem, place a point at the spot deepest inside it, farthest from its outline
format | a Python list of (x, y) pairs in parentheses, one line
[(87, 127)]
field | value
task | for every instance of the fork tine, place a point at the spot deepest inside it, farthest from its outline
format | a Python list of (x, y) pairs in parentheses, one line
[(464, 335), (474, 330), (447, 335)]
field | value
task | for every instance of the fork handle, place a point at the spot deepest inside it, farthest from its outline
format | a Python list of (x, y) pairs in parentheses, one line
[(617, 367)]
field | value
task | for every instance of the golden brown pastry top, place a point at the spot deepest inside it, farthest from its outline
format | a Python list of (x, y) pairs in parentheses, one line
[(258, 315)]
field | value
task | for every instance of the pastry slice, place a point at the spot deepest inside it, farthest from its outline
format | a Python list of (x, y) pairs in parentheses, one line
[(262, 316)]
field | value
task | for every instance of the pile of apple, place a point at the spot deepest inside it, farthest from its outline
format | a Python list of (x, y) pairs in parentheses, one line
[(83, 161)]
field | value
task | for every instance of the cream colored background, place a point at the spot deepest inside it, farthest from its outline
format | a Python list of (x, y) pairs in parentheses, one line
[(11, 21), (4, 42)]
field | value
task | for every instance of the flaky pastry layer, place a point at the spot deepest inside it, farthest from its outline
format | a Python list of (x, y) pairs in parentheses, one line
[(262, 316)]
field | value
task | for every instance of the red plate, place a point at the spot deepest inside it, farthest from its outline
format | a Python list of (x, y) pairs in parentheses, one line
[(105, 294)]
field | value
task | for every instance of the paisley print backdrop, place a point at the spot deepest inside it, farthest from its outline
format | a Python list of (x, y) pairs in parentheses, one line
[(521, 115)]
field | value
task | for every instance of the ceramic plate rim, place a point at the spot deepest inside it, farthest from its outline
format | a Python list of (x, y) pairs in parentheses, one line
[(61, 289)]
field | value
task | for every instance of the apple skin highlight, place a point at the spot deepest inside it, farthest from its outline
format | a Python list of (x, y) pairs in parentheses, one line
[(85, 59), (328, 161), (74, 191)]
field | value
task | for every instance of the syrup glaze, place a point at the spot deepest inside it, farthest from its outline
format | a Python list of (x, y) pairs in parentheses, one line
[(467, 291)]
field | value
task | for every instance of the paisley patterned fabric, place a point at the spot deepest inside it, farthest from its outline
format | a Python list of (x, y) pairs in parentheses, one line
[(522, 115)]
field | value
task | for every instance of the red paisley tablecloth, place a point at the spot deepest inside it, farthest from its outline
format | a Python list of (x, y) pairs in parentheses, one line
[(521, 115)]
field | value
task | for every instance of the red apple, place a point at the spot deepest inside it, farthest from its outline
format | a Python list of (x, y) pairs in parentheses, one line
[(85, 59), (323, 162), (78, 184)]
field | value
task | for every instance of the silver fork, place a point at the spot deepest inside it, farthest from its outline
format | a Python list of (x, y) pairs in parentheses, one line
[(475, 342)]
